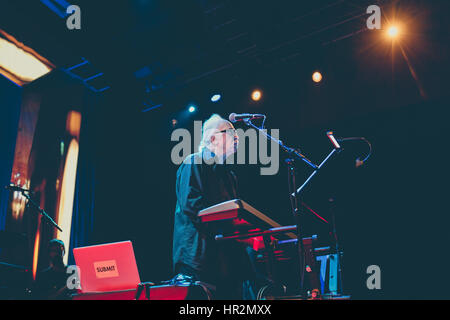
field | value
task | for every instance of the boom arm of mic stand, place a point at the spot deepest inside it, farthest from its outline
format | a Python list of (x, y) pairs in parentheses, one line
[(300, 189), (41, 211), (287, 149)]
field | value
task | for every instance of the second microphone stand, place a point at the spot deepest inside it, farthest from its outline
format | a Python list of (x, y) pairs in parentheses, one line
[(41, 211), (295, 193)]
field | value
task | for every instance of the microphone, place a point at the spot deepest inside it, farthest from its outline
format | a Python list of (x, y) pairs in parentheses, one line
[(358, 162), (333, 140), (17, 188), (244, 116)]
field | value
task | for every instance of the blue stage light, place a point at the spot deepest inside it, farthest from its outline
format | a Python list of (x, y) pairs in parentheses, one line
[(192, 109), (216, 97)]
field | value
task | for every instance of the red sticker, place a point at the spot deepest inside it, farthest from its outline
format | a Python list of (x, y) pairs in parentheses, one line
[(106, 269)]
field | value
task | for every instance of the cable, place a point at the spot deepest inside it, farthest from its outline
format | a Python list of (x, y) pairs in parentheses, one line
[(262, 125), (186, 280), (261, 291), (208, 293), (358, 161), (264, 120)]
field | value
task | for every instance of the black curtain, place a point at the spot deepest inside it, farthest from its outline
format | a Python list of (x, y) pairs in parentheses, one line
[(10, 99), (83, 206)]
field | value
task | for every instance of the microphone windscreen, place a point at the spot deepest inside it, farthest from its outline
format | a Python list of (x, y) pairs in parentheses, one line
[(359, 163), (232, 117)]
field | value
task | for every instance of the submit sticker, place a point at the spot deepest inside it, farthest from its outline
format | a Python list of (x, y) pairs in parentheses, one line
[(106, 269)]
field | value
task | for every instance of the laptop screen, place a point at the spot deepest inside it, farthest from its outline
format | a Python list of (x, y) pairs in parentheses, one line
[(107, 267)]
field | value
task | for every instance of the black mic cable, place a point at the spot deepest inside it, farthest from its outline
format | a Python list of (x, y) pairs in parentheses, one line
[(359, 162)]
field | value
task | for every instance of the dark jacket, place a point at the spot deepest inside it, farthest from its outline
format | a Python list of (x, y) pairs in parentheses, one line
[(199, 185), (51, 284)]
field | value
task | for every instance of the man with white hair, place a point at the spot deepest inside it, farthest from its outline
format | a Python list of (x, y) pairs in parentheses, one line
[(203, 180)]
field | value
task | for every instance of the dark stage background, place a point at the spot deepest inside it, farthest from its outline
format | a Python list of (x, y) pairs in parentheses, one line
[(391, 212)]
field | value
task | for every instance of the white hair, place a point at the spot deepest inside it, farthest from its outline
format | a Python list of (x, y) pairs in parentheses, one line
[(209, 127)]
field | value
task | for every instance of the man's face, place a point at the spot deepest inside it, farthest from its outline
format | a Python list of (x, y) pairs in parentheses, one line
[(225, 139), (55, 252)]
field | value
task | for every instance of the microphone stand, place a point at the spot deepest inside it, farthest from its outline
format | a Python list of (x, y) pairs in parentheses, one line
[(295, 193), (46, 217)]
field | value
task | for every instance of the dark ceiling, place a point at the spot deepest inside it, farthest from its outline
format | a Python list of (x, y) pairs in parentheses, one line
[(171, 53), (153, 52)]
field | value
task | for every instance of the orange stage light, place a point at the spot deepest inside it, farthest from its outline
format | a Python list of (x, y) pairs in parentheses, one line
[(393, 32), (20, 63), (317, 77), (256, 95)]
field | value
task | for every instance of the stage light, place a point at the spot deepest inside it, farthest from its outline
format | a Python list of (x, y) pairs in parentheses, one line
[(192, 108), (256, 95), (393, 32), (216, 97), (317, 77), (73, 123), (19, 63)]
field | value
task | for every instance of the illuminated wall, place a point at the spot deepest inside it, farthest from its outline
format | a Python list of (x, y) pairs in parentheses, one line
[(46, 160), (68, 179)]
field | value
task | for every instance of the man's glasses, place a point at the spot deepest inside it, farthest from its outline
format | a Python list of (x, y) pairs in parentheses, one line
[(229, 131)]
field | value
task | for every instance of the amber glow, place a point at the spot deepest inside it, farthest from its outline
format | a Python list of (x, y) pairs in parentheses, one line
[(19, 201), (393, 32), (37, 242), (67, 194), (37, 238), (256, 95), (19, 63), (68, 179), (73, 124), (317, 76)]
